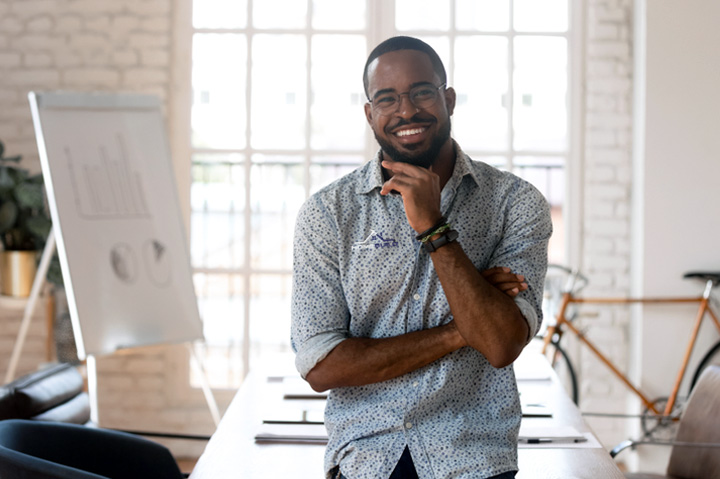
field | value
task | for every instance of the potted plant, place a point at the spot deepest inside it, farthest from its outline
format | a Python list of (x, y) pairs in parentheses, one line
[(24, 224)]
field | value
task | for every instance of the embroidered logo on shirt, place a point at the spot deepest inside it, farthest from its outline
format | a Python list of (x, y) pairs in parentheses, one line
[(375, 241)]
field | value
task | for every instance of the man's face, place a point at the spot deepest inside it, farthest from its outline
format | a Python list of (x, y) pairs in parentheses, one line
[(410, 134)]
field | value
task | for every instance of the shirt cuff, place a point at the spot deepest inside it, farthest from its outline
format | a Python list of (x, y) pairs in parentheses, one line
[(530, 316), (316, 349)]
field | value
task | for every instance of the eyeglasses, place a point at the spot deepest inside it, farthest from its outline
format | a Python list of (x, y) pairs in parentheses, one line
[(422, 96)]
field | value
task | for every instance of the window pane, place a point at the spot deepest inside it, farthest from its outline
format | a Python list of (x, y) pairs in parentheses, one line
[(217, 200), (483, 15), (335, 15), (338, 118), (541, 15), (220, 14), (324, 174), (277, 193), (279, 13), (422, 15), (278, 91), (270, 329), (221, 307), (481, 82), (540, 108), (218, 80)]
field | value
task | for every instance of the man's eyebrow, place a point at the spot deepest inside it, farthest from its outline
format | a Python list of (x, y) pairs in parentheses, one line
[(392, 90)]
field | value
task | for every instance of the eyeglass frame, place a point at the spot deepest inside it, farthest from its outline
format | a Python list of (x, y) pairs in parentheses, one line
[(399, 98)]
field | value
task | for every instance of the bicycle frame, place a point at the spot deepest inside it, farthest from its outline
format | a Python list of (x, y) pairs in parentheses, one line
[(703, 308)]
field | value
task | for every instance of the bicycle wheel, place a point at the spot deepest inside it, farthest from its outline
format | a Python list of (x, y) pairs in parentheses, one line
[(712, 357), (658, 427), (560, 362)]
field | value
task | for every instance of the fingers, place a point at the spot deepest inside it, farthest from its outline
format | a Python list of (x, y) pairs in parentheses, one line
[(505, 280)]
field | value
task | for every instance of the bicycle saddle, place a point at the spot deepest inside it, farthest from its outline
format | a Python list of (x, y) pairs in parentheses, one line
[(704, 275)]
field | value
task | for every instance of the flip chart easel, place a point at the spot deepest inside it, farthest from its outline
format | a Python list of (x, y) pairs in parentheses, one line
[(117, 224)]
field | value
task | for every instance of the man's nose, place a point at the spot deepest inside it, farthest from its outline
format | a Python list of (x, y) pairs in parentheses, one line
[(406, 106)]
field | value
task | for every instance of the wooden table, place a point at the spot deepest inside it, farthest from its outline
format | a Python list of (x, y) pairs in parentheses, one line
[(233, 453)]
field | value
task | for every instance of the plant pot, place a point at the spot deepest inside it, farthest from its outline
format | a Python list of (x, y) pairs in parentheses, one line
[(17, 272)]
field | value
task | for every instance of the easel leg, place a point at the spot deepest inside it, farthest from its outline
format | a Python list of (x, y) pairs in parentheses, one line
[(207, 391), (38, 283)]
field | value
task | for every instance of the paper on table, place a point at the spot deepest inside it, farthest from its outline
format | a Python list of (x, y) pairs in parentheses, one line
[(305, 433)]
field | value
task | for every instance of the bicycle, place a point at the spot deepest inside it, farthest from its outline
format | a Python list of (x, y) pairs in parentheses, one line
[(660, 413)]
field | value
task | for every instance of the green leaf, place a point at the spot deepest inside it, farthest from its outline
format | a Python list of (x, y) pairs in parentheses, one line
[(8, 216), (39, 226), (29, 195)]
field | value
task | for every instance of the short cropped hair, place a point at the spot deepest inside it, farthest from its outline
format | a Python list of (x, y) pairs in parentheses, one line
[(404, 43)]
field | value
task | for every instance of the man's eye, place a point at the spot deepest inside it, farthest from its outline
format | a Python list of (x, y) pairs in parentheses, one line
[(423, 93), (385, 100)]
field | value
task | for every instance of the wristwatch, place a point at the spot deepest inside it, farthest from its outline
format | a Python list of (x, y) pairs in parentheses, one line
[(448, 237)]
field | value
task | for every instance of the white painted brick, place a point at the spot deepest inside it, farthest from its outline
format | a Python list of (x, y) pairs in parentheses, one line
[(601, 68), (64, 59), (147, 40), (145, 76), (148, 7), (613, 85), (33, 78), (155, 57), (37, 60), (601, 102), (91, 77), (99, 23), (38, 42), (89, 41), (68, 23), (604, 31), (10, 59), (40, 24), (155, 24), (600, 138), (32, 8), (10, 24), (89, 8), (618, 50), (125, 58)]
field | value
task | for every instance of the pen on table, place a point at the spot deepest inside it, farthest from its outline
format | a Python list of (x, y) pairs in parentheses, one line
[(552, 440)]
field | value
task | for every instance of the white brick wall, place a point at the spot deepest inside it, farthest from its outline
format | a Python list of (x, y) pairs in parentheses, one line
[(99, 45), (607, 192), (126, 45)]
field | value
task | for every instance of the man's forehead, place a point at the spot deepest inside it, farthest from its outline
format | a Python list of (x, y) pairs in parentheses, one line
[(413, 63)]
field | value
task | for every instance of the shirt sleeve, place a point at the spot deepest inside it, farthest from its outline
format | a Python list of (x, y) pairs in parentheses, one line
[(319, 312), (523, 248)]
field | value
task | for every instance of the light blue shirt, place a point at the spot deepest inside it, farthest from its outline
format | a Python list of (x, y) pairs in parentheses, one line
[(360, 272)]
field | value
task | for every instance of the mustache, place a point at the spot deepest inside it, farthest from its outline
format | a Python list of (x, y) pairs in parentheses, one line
[(417, 118)]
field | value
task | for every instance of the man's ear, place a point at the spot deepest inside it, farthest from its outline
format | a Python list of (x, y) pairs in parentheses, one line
[(368, 112), (450, 98)]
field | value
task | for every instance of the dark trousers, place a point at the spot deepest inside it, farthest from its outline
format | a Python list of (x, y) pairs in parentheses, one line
[(405, 469)]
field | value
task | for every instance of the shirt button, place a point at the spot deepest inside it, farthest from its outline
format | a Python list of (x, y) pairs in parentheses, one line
[(415, 384), (408, 425), (416, 296)]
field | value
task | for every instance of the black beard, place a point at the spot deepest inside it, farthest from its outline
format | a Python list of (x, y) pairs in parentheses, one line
[(423, 159)]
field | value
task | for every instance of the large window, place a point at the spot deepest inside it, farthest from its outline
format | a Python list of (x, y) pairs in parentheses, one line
[(277, 112)]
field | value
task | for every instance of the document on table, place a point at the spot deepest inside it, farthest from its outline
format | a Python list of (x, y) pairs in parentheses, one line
[(291, 433), (554, 437)]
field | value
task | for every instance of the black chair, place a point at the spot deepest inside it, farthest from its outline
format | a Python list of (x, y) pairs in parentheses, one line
[(55, 393), (46, 450)]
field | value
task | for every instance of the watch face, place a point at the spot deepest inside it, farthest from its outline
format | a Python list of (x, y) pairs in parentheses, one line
[(448, 237)]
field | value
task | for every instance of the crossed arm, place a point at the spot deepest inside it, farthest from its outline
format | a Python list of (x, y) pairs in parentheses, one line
[(486, 317)]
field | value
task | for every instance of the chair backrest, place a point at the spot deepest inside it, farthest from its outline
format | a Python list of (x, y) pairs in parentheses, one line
[(51, 394), (700, 422), (46, 450)]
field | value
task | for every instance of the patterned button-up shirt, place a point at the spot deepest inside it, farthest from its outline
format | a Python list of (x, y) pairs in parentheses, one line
[(360, 272)]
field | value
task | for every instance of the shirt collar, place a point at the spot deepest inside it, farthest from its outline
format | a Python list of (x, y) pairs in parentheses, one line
[(373, 176)]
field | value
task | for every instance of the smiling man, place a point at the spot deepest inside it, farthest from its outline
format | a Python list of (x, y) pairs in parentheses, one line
[(415, 337)]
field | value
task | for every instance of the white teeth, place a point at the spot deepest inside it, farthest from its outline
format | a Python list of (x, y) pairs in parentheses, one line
[(414, 131)]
